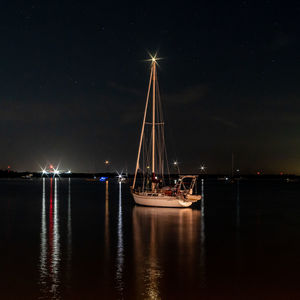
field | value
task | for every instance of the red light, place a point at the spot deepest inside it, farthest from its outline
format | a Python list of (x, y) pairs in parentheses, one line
[(258, 173), (281, 173), (51, 167), (8, 167)]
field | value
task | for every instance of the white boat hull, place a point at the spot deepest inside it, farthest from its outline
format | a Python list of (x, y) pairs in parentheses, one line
[(160, 200)]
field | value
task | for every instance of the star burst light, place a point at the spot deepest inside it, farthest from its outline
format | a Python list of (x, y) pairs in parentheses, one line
[(202, 168), (56, 172), (153, 58)]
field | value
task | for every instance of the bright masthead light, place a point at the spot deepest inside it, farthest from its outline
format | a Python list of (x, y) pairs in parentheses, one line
[(153, 58)]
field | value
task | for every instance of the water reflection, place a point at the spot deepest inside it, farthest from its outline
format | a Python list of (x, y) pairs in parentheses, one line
[(43, 242), (55, 244), (202, 197), (203, 252), (50, 248), (106, 219), (165, 237), (69, 226), (238, 204), (120, 247)]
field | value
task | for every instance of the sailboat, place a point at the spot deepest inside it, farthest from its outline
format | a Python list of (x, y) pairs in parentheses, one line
[(152, 159)]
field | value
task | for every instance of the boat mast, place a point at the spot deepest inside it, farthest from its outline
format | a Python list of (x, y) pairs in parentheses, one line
[(153, 123), (142, 131), (232, 165)]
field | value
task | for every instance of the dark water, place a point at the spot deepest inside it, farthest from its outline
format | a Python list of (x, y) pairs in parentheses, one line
[(74, 239)]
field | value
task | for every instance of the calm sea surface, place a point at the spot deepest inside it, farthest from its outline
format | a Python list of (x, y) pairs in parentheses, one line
[(75, 239)]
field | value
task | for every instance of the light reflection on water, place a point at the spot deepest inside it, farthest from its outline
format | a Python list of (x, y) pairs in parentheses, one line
[(120, 247), (89, 244), (69, 249), (238, 204), (106, 225), (50, 246), (43, 243), (203, 250), (55, 245), (154, 230)]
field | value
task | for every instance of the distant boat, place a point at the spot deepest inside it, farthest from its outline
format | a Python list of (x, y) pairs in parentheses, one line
[(122, 178), (291, 179), (92, 179), (224, 178), (151, 160), (28, 176), (102, 179)]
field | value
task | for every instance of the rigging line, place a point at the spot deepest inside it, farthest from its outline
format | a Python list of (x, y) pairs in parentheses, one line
[(153, 118), (142, 131), (143, 171), (162, 130), (148, 153), (145, 158), (170, 134), (148, 156), (159, 153)]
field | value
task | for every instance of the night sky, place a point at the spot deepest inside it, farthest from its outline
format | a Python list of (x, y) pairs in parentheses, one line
[(73, 83)]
